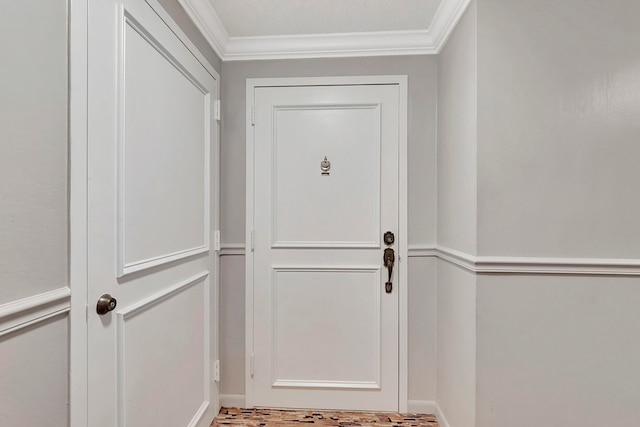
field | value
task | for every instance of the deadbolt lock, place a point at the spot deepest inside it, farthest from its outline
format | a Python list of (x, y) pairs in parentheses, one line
[(389, 238)]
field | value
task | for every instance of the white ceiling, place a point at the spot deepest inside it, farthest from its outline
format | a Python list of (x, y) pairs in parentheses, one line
[(276, 29), (250, 18)]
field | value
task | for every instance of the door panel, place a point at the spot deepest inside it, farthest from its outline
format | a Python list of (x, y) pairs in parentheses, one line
[(151, 146), (164, 184), (161, 346), (307, 212), (325, 330), (304, 300)]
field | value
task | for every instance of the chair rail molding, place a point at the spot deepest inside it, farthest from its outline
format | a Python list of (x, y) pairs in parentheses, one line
[(529, 265), (21, 313), (418, 42), (227, 249)]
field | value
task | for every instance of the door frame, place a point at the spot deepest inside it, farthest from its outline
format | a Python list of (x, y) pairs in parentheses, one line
[(78, 66), (403, 310)]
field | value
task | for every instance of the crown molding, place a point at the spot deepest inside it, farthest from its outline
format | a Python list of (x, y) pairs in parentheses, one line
[(445, 21), (208, 22), (380, 43)]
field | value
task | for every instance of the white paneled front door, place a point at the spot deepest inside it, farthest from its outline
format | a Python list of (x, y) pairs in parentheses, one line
[(325, 190), (151, 199)]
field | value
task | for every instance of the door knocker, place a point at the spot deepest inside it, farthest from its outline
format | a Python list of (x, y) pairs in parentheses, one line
[(325, 165)]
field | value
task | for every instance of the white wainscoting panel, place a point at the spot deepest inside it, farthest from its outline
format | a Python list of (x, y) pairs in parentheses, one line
[(308, 206), (346, 351), (175, 352), (158, 159)]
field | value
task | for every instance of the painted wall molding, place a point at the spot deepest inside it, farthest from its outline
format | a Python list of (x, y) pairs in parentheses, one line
[(422, 251), (508, 265), (227, 249), (37, 308), (419, 42), (529, 265)]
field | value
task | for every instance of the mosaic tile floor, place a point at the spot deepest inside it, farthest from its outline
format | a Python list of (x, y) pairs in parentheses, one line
[(273, 417)]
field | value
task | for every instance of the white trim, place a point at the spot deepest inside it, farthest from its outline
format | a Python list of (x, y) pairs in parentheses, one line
[(402, 245), (78, 327), (572, 266), (232, 249), (336, 385), (207, 21), (422, 251), (445, 21), (461, 259), (378, 43), (422, 407), (442, 420), (249, 224), (530, 265), (403, 242), (21, 313), (232, 400)]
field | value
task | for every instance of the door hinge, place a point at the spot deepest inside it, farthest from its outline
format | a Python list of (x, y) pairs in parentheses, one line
[(216, 371), (253, 367), (216, 241), (253, 115), (253, 240), (216, 110)]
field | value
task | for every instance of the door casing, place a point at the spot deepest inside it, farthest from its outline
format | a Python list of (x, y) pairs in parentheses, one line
[(403, 320), (78, 11)]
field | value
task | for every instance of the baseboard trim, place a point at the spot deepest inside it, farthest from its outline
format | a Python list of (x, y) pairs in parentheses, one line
[(421, 406), (233, 400), (27, 311), (442, 420)]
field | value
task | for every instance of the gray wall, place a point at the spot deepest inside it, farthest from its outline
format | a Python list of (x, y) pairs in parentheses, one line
[(422, 72), (33, 149), (558, 128), (33, 210), (457, 180), (558, 351), (558, 132), (457, 137)]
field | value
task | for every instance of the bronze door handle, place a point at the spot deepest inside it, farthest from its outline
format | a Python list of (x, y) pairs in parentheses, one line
[(389, 259)]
